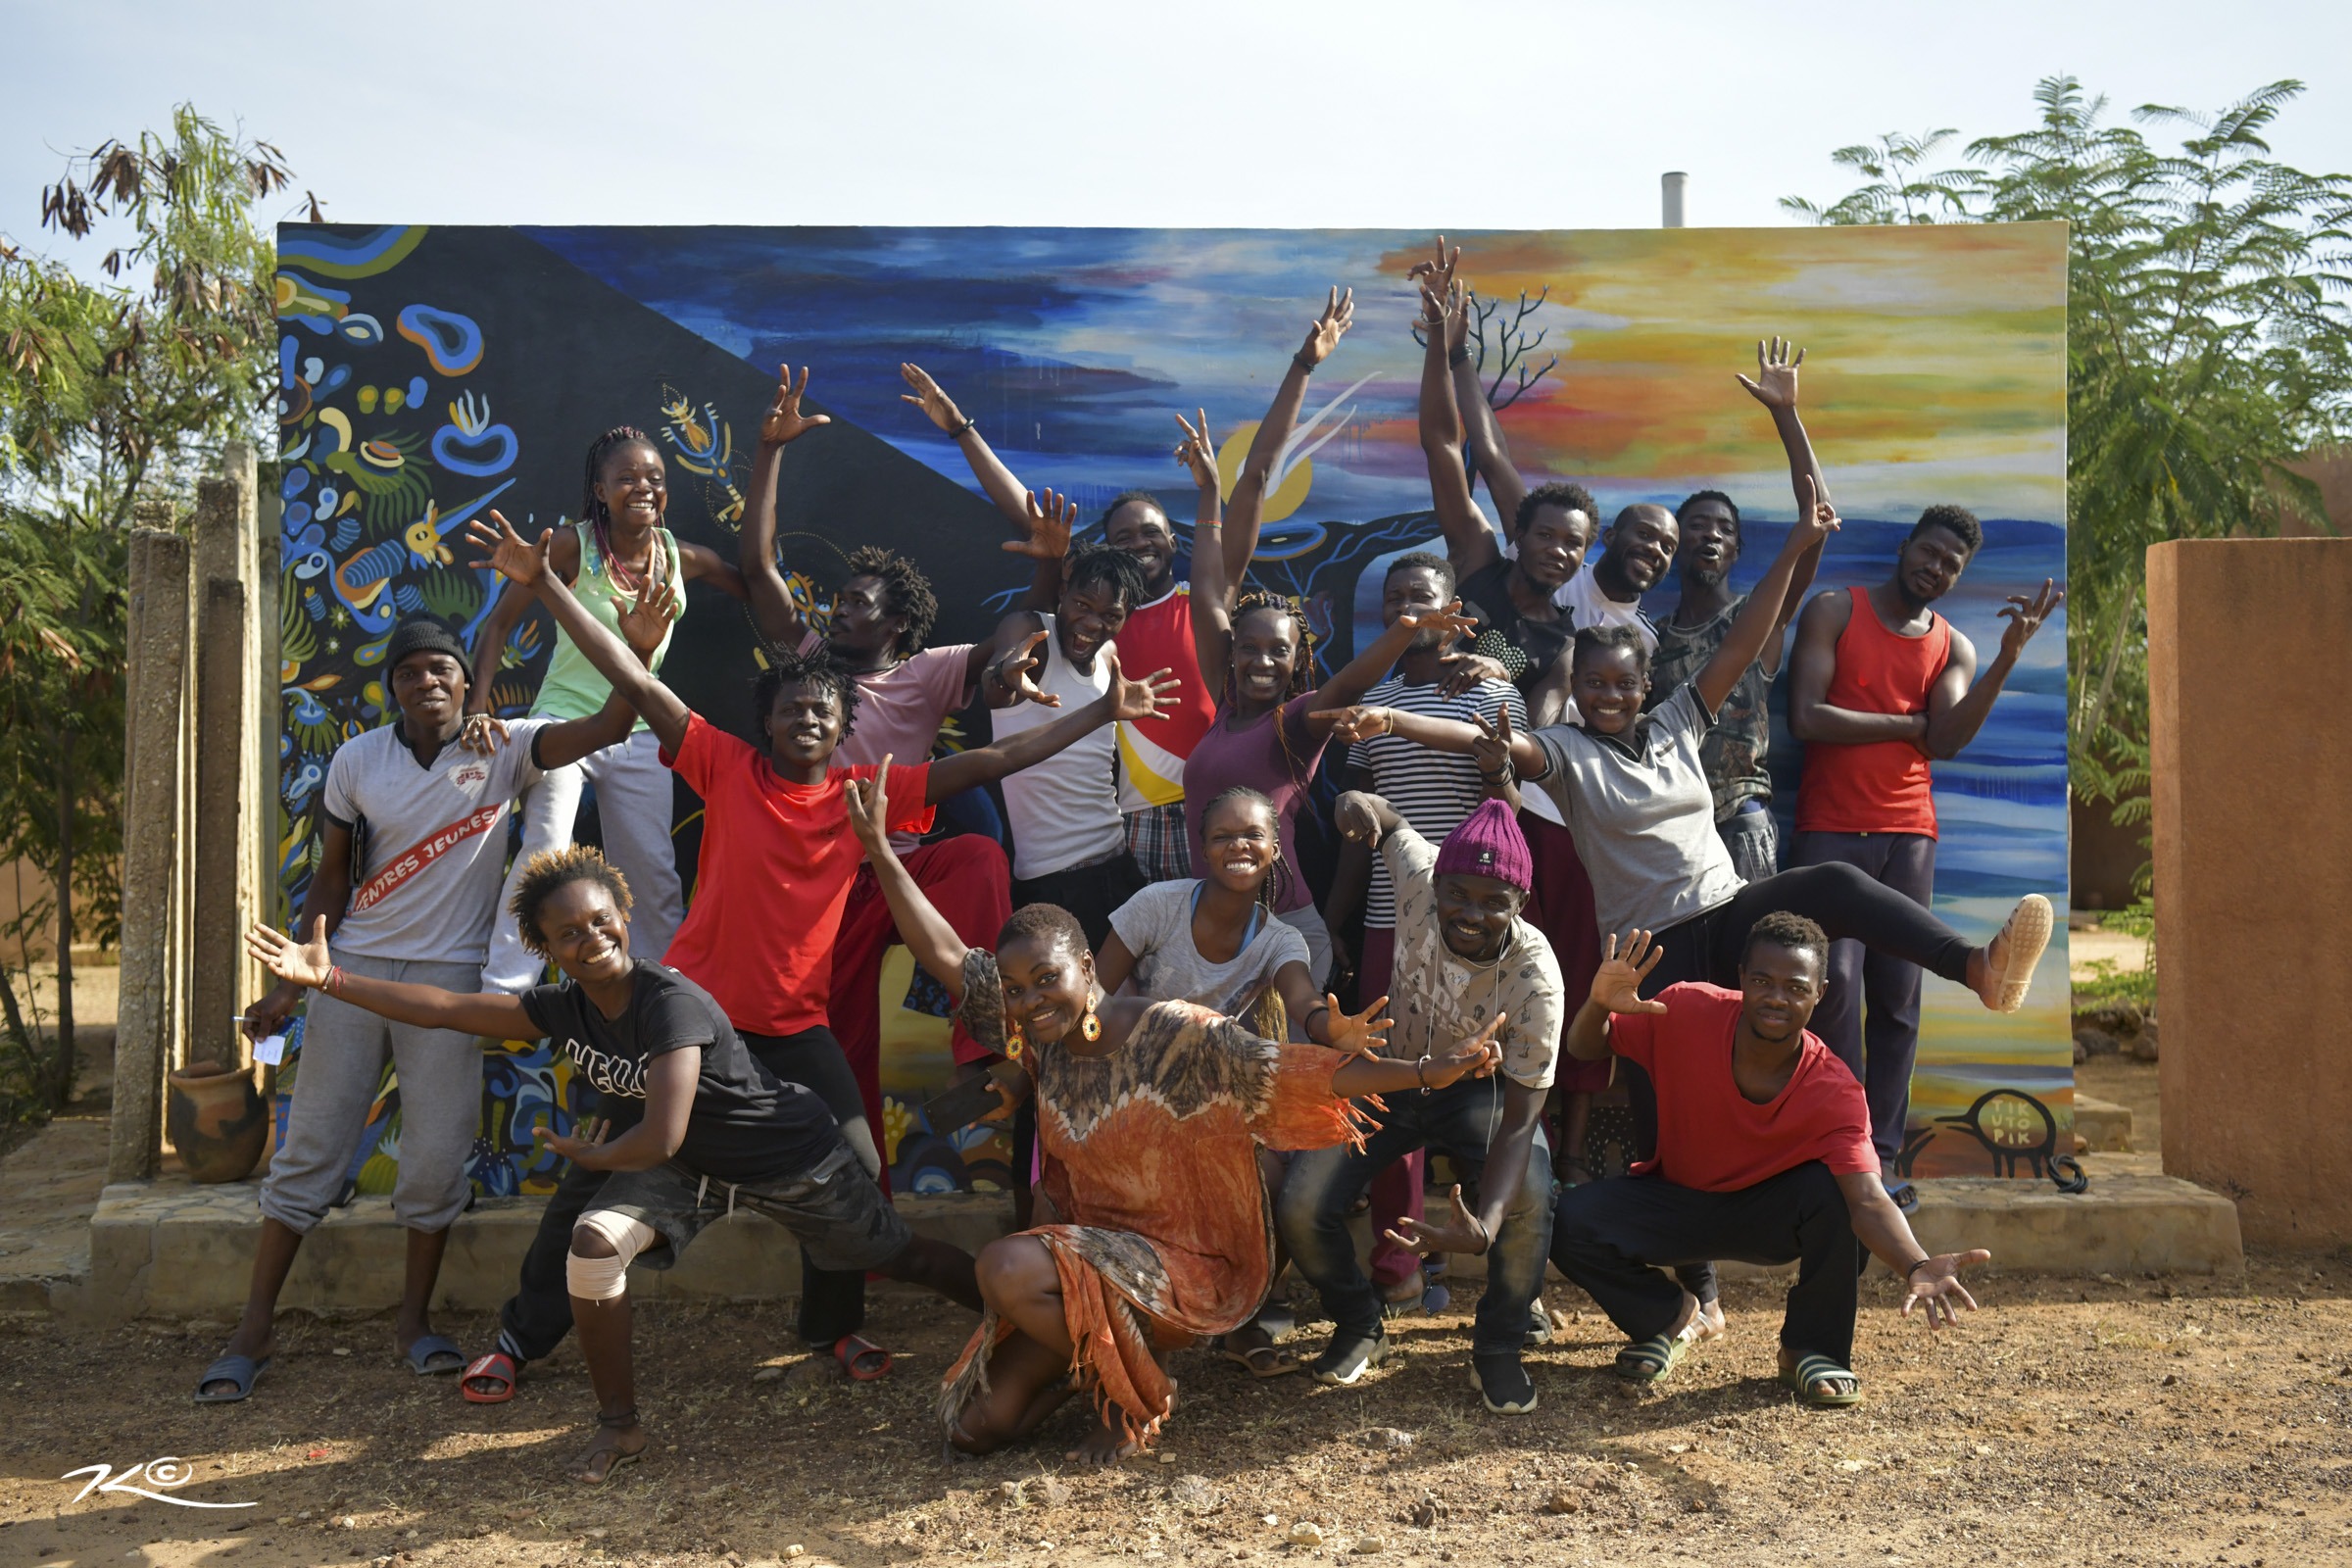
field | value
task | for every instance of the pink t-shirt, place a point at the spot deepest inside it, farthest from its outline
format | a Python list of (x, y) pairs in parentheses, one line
[(900, 709), (1279, 763)]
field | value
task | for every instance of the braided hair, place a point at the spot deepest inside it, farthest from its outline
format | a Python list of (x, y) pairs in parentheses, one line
[(1302, 669), (592, 510), (1267, 1018), (906, 593)]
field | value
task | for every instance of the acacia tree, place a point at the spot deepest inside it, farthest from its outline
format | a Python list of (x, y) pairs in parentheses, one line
[(116, 394), (2208, 346)]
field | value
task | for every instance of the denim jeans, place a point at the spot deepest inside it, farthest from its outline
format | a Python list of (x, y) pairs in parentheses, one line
[(1458, 1121)]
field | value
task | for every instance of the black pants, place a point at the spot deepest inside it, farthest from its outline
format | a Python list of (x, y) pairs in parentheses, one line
[(538, 1315), (1088, 891), (1881, 1047), (832, 1300), (1613, 1237), (1841, 899)]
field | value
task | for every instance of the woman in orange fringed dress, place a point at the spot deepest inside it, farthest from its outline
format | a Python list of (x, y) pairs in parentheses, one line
[(1150, 1113)]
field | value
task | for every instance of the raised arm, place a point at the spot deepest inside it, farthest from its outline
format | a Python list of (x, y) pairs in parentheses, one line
[(311, 966), (925, 931), (702, 564), (1958, 707), (1487, 449), (1210, 601), (513, 602), (1775, 387), (1469, 541), (1152, 696), (1811, 718), (1378, 656), (1616, 988), (643, 625), (1246, 511), (997, 481), (505, 552), (1760, 618), (776, 617)]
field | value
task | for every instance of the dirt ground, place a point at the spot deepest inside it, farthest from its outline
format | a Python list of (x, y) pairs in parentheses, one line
[(2155, 1421)]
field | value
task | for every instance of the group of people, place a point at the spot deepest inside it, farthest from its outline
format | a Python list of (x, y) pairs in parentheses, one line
[(1555, 865)]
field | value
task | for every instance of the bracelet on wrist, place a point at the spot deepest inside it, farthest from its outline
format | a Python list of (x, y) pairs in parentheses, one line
[(1306, 366), (1421, 1071), (334, 979), (1458, 355), (1913, 1271), (961, 430)]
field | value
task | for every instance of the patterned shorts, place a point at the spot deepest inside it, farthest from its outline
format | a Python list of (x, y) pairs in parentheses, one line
[(835, 1210), (1156, 838)]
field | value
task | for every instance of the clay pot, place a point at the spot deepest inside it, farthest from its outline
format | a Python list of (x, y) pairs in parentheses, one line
[(217, 1120)]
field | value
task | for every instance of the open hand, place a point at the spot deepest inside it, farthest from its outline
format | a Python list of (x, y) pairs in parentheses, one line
[(784, 422), (1460, 1233), (1324, 334), (1017, 670), (936, 405), (522, 561), (1449, 624), (1617, 983), (2025, 616), (1775, 385), (483, 734), (299, 963), (1937, 1287), (1196, 452), (1152, 696), (1051, 521), (585, 1136), (1361, 724), (868, 805), (644, 623), (1355, 1033)]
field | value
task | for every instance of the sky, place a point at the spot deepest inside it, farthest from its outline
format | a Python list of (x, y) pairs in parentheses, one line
[(1259, 113)]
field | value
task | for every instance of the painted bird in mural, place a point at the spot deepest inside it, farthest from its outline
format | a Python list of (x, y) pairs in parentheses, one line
[(706, 447)]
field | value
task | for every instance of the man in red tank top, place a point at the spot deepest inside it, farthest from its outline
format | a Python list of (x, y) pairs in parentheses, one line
[(1881, 685)]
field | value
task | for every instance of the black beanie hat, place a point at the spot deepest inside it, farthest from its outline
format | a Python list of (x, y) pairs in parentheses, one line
[(421, 633)]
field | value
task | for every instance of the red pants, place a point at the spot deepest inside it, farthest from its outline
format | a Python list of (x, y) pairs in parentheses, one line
[(967, 881), (1561, 908)]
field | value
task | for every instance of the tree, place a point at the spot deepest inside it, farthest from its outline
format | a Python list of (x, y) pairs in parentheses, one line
[(116, 394), (2208, 346)]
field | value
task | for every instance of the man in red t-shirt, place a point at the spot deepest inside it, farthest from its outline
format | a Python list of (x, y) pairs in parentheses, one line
[(1763, 1155), (1878, 685)]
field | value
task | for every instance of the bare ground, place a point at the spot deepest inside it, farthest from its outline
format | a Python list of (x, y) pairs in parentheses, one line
[(2153, 1421)]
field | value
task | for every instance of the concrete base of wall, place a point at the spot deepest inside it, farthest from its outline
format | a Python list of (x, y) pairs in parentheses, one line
[(171, 1248), (2102, 1125)]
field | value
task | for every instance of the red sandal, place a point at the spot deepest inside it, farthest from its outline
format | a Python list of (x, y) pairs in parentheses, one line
[(857, 1355), (498, 1368)]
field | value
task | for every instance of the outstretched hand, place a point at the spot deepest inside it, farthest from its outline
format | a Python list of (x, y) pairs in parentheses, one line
[(1359, 1034), (1196, 452), (1775, 385), (585, 1136), (1017, 670), (1474, 1057), (522, 561), (1460, 1233), (1050, 521), (1152, 696), (784, 422), (1617, 983), (1449, 624), (1323, 334), (646, 621), (2025, 616), (868, 805), (936, 405), (301, 963), (1937, 1287)]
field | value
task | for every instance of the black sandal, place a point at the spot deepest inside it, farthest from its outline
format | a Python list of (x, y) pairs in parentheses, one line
[(620, 1456)]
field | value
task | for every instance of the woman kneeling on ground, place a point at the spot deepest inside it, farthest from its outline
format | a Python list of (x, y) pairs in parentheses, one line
[(719, 1130), (1152, 1112)]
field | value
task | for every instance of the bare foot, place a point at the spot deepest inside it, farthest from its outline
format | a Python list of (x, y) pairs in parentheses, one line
[(614, 1447), (1709, 1324), (1106, 1444)]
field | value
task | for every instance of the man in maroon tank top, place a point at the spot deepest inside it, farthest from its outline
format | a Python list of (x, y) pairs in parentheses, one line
[(1881, 685)]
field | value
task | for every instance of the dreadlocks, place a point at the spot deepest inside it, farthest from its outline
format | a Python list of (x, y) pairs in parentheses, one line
[(906, 593)]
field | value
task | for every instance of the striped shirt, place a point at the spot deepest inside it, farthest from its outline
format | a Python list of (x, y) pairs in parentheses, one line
[(1432, 791)]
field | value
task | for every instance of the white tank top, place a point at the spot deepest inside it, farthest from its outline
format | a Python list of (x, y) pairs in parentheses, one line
[(1064, 810)]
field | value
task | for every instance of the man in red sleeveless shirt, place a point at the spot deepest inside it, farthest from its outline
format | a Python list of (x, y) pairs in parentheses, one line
[(1880, 685)]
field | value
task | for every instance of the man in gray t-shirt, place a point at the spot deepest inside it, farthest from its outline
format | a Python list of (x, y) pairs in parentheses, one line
[(411, 854)]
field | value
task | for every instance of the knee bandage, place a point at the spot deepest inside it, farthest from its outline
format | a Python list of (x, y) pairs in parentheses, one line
[(603, 1279)]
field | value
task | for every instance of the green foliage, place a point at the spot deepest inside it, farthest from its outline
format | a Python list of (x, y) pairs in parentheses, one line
[(116, 396), (2111, 983), (2208, 346)]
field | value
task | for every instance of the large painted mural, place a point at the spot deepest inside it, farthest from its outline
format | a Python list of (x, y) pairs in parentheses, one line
[(429, 373)]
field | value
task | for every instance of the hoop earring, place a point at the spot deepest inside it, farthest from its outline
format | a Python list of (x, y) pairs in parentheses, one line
[(1089, 1027)]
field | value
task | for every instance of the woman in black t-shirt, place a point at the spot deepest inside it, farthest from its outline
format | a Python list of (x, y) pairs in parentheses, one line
[(720, 1129)]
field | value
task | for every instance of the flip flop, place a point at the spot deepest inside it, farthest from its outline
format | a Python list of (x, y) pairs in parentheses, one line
[(856, 1352), (1649, 1360), (1812, 1369), (1262, 1361), (496, 1367), (240, 1370), (420, 1355), (2024, 936)]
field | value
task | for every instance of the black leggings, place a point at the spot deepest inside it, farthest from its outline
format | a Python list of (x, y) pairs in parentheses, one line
[(1838, 898), (832, 1302)]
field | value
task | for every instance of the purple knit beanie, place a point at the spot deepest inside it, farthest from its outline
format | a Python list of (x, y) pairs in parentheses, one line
[(1489, 843)]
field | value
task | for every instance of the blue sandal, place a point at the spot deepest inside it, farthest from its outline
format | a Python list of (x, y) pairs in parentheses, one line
[(240, 1370), (420, 1356)]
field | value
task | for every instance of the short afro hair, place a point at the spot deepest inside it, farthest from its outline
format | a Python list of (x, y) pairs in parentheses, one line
[(1423, 561), (1045, 922), (906, 593), (1120, 571), (1134, 498), (1592, 641), (788, 668), (544, 873), (1716, 496), (1958, 521), (1791, 931), (1568, 497)]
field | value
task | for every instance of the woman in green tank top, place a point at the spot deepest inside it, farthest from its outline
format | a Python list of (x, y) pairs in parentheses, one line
[(617, 550)]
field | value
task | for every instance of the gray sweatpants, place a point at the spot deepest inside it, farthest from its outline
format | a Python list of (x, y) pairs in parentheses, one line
[(343, 1051)]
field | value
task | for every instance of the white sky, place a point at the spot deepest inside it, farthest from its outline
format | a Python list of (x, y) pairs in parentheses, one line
[(1109, 112)]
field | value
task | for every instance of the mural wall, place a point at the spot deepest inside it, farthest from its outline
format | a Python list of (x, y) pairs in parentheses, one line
[(429, 374)]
